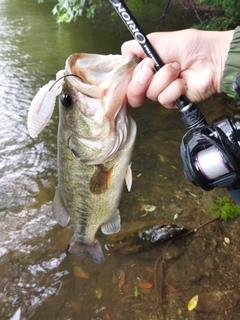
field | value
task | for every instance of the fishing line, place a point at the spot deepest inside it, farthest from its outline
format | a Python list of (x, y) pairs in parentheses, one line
[(66, 75)]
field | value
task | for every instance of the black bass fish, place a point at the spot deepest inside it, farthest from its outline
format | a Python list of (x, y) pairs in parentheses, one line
[(96, 137)]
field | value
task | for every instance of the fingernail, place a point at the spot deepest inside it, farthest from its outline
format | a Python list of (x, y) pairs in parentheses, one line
[(144, 76), (176, 66)]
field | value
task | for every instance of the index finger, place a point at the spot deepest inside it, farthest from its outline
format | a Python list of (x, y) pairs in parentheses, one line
[(131, 49)]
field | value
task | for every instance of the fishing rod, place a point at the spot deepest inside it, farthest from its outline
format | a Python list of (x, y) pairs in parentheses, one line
[(210, 153)]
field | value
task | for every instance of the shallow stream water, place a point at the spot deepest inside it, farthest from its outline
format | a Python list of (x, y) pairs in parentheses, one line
[(36, 273)]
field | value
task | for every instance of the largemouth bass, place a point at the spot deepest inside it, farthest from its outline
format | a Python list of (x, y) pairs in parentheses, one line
[(96, 137)]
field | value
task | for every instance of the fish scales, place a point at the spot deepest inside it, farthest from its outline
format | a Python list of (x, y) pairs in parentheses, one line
[(89, 210)]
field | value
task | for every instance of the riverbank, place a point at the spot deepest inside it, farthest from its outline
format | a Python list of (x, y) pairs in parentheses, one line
[(211, 17)]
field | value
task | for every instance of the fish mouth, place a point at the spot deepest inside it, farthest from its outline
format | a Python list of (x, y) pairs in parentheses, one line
[(100, 90), (93, 69), (95, 73)]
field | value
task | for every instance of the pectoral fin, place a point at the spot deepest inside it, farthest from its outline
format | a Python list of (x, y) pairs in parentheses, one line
[(113, 225), (60, 214), (128, 177), (100, 180)]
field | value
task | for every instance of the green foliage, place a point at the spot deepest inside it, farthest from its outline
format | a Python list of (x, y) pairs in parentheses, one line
[(70, 10), (225, 14), (224, 208)]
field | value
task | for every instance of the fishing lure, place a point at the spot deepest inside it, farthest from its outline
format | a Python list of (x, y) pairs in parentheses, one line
[(42, 105)]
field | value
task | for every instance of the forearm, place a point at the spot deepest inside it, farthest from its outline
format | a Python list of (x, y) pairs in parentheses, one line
[(232, 66)]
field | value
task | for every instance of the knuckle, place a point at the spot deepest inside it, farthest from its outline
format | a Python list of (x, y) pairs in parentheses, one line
[(171, 72)]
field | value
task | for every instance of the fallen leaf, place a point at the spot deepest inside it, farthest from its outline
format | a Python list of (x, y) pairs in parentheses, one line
[(149, 269), (107, 317), (122, 279), (144, 285), (135, 290), (162, 158), (150, 208), (171, 288), (78, 271), (227, 240), (145, 214), (193, 303), (175, 216), (98, 293)]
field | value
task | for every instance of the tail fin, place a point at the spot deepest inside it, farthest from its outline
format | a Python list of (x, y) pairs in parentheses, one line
[(94, 249)]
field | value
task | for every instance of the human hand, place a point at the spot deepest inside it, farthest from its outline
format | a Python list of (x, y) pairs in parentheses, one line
[(194, 63)]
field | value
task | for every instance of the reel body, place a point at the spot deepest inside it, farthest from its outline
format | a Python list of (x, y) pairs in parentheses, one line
[(211, 156)]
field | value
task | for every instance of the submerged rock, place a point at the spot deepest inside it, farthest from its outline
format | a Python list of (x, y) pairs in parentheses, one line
[(138, 236), (217, 301)]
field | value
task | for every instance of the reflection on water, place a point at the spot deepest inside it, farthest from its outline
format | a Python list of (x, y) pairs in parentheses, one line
[(36, 274), (27, 240)]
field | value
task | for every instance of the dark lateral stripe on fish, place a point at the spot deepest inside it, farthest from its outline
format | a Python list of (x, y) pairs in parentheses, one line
[(83, 217)]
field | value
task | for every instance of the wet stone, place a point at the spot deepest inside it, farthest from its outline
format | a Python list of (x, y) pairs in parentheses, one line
[(210, 263), (217, 301), (174, 252), (179, 277), (221, 257)]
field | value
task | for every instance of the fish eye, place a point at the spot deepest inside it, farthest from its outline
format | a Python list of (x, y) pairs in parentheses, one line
[(66, 100)]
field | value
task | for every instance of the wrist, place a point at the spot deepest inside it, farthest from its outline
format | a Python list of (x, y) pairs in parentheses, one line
[(220, 42)]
